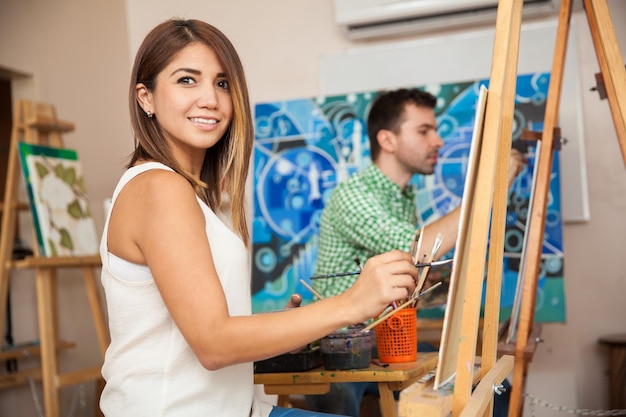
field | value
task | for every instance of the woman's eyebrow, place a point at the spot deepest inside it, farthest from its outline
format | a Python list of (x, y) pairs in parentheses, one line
[(189, 70), (196, 72)]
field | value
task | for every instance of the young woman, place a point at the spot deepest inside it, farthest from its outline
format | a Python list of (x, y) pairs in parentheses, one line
[(176, 270)]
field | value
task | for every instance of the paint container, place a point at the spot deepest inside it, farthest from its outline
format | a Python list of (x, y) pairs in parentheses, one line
[(396, 337), (347, 348), (308, 358)]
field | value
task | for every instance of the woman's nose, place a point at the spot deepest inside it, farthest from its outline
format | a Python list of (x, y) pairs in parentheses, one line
[(208, 98)]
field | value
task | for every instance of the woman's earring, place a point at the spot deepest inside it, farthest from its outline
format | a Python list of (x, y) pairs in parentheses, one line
[(149, 114)]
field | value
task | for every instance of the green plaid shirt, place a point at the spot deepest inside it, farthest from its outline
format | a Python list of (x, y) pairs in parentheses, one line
[(366, 215)]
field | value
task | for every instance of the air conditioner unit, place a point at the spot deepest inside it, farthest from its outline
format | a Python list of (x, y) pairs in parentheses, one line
[(362, 19)]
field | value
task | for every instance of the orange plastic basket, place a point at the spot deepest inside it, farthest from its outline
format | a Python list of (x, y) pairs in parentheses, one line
[(396, 337)]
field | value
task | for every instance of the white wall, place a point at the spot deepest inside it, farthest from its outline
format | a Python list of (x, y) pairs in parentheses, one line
[(76, 54), (80, 52)]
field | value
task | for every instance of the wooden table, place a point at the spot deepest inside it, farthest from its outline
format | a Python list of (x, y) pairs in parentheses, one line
[(617, 369), (394, 377)]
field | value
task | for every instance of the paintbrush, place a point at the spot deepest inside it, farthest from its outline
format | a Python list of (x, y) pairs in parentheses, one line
[(434, 263), (424, 271), (350, 273), (416, 246), (336, 275), (308, 287), (358, 264), (388, 309)]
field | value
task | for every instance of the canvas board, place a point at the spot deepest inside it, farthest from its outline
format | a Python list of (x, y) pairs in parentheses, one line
[(59, 201), (517, 301), (451, 332)]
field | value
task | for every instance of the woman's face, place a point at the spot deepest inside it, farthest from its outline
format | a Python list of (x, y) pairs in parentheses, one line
[(191, 102)]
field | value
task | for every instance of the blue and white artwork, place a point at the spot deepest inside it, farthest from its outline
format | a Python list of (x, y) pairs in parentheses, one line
[(304, 147)]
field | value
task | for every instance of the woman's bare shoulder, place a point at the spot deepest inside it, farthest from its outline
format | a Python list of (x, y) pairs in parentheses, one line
[(148, 208), (159, 186)]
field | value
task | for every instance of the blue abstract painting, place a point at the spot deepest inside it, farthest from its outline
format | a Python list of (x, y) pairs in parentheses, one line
[(304, 147)]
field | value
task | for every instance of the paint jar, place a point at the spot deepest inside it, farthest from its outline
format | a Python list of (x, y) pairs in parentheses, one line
[(347, 348)]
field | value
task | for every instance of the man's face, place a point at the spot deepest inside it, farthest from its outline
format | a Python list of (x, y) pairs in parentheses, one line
[(417, 142)]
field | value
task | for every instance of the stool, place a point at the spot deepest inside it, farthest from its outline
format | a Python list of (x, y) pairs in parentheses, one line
[(617, 369)]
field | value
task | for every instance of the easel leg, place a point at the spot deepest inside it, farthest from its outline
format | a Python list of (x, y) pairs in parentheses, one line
[(9, 218), (283, 401), (97, 311), (45, 306), (611, 64), (518, 388), (99, 387), (101, 325), (387, 402)]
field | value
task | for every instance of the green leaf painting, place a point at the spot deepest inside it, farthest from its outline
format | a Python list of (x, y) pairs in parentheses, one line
[(59, 202)]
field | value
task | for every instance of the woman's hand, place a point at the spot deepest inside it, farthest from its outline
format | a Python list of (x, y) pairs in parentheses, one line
[(385, 278)]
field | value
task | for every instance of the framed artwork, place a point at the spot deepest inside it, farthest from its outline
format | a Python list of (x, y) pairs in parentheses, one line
[(59, 201), (305, 147)]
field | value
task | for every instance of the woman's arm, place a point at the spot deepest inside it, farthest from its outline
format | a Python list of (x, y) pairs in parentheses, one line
[(160, 223)]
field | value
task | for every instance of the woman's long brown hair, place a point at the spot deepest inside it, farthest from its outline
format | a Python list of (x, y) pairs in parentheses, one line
[(225, 167)]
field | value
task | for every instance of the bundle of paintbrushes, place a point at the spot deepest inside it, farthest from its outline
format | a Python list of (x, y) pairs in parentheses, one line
[(427, 261), (424, 267), (391, 310)]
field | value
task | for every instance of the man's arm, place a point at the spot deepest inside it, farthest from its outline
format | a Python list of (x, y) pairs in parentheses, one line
[(448, 225)]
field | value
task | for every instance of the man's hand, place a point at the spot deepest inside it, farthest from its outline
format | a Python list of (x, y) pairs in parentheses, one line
[(517, 162), (294, 301)]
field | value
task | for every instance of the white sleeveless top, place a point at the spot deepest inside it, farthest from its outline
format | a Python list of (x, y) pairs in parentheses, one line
[(149, 368)]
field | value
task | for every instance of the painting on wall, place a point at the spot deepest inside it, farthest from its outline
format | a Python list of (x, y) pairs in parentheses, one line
[(59, 201), (305, 147)]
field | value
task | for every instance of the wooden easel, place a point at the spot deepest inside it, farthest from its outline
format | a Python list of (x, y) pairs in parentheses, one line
[(613, 75), (483, 225), (37, 123), (496, 138), (488, 221)]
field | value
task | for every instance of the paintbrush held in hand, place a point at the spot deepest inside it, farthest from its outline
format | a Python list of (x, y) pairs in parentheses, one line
[(424, 271), (351, 273)]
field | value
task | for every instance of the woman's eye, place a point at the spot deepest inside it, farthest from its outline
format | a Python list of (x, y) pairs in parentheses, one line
[(186, 80), (223, 84)]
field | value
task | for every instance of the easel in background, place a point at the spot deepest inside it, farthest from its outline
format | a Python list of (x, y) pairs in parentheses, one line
[(37, 123), (612, 85)]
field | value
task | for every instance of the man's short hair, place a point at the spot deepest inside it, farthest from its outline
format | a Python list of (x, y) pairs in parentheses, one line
[(387, 112)]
